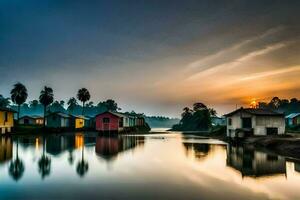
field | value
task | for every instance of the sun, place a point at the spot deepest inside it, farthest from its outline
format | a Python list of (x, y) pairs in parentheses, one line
[(253, 103)]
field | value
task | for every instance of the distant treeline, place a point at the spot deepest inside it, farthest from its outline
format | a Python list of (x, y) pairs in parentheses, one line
[(285, 106), (161, 122)]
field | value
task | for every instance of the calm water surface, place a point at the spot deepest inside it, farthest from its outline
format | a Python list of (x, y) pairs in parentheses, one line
[(155, 166)]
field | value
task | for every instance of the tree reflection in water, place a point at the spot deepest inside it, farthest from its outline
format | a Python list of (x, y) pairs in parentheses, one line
[(16, 167), (44, 163)]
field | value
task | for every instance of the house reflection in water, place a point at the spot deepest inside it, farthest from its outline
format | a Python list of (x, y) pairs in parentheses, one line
[(109, 147), (58, 144), (197, 150), (254, 163), (6, 148)]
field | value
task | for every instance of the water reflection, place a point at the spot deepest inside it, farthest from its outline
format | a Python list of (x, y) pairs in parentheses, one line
[(199, 151), (254, 163), (56, 145), (5, 149), (109, 147), (44, 162), (16, 167), (70, 166)]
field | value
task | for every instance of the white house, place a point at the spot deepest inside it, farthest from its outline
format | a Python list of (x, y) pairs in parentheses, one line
[(254, 121)]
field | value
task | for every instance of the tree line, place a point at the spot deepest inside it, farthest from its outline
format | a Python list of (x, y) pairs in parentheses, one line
[(286, 106)]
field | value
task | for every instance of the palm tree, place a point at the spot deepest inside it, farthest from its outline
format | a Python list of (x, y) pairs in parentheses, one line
[(19, 95), (16, 167), (82, 166), (83, 95), (72, 103), (44, 162), (46, 98)]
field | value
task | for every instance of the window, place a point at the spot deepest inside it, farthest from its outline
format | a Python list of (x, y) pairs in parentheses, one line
[(246, 122), (5, 117), (229, 121), (105, 120), (121, 122)]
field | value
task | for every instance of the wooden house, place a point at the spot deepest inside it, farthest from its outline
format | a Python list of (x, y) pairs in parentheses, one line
[(58, 120), (31, 120), (6, 120), (110, 121), (293, 119), (254, 121)]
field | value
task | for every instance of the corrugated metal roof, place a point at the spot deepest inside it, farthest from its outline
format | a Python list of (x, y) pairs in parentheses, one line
[(7, 109), (256, 111), (292, 115)]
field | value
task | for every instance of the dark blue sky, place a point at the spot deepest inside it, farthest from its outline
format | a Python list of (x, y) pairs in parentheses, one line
[(151, 56)]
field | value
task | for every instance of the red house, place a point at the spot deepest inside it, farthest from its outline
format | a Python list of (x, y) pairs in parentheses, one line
[(109, 121)]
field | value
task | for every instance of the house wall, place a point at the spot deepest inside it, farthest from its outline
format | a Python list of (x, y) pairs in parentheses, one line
[(57, 121), (236, 123), (30, 120), (64, 122), (5, 126), (113, 124), (259, 124), (79, 123), (264, 122), (126, 122)]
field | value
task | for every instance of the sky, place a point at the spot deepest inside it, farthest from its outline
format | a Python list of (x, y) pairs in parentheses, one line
[(154, 56)]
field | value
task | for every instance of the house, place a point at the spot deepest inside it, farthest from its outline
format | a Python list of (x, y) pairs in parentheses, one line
[(110, 121), (293, 119), (254, 121), (31, 120), (77, 122), (218, 121), (58, 120), (6, 120)]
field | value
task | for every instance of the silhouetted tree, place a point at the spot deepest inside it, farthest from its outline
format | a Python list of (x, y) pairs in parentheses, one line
[(16, 167), (212, 112), (19, 95), (111, 105), (72, 103), (44, 163), (62, 103), (83, 95), (199, 106), (197, 119), (82, 166), (46, 98), (4, 102), (33, 104)]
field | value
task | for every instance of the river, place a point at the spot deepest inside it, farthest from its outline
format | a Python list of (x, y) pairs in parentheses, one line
[(160, 165)]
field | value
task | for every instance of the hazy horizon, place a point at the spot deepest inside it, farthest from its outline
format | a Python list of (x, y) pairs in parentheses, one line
[(154, 57)]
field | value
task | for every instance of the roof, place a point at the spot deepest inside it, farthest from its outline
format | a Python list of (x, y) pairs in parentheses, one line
[(113, 113), (292, 115), (80, 117), (256, 111), (32, 116), (59, 114), (7, 109)]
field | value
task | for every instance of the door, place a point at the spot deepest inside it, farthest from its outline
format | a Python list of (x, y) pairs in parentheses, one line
[(272, 131)]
